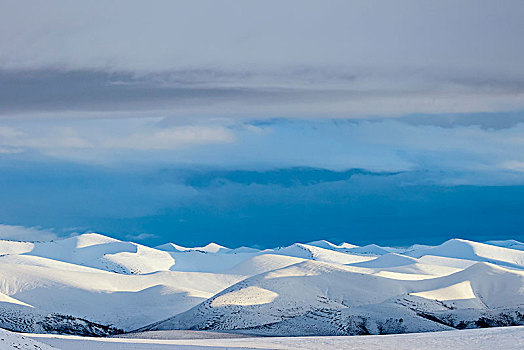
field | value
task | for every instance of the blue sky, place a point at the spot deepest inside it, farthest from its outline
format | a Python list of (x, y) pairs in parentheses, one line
[(262, 124)]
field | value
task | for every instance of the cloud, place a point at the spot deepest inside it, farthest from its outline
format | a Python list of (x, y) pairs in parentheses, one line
[(22, 233), (389, 145), (141, 237), (228, 94), (172, 138), (261, 59), (235, 33), (514, 165), (10, 133), (10, 150), (56, 139), (13, 139)]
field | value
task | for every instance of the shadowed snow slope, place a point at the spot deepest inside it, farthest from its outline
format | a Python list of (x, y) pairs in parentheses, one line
[(462, 249), (307, 251), (370, 249), (328, 245), (508, 244), (388, 260), (83, 284)]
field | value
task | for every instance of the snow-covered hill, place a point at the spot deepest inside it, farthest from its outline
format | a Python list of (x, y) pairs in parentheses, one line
[(318, 298), (96, 285)]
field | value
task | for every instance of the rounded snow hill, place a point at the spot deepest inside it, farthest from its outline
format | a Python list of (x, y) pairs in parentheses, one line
[(200, 261), (209, 248), (468, 250), (95, 251), (287, 292), (306, 251), (370, 249), (172, 247), (387, 261), (126, 301), (129, 285), (244, 250), (510, 243), (263, 263), (302, 288), (401, 267), (15, 247), (328, 245), (494, 286)]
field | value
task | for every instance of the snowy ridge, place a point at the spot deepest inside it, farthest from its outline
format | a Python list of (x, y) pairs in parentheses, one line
[(96, 285), (209, 248)]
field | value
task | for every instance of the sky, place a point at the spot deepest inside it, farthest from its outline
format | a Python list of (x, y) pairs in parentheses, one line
[(262, 123)]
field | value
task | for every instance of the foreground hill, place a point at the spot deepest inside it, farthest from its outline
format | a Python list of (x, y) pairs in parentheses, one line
[(96, 285), (323, 299), (10, 340)]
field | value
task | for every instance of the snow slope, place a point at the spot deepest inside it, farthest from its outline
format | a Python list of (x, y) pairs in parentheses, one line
[(468, 250), (10, 340), (93, 284), (96, 251), (307, 251), (209, 248), (508, 338), (126, 301), (508, 244), (343, 247), (313, 297)]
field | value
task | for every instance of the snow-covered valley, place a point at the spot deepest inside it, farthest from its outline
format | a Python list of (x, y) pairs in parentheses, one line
[(93, 285), (507, 338)]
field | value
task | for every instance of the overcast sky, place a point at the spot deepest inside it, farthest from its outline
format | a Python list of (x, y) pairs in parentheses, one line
[(270, 58), (433, 90)]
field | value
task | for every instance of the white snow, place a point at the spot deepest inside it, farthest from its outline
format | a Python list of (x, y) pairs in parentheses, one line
[(209, 248), (328, 245), (459, 291), (463, 249), (11, 340), (319, 287), (245, 296), (508, 338)]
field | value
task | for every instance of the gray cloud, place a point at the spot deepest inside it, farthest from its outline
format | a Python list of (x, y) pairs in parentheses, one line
[(168, 35), (260, 59), (51, 94)]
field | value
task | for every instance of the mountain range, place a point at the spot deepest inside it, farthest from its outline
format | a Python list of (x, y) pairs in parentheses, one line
[(95, 285)]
